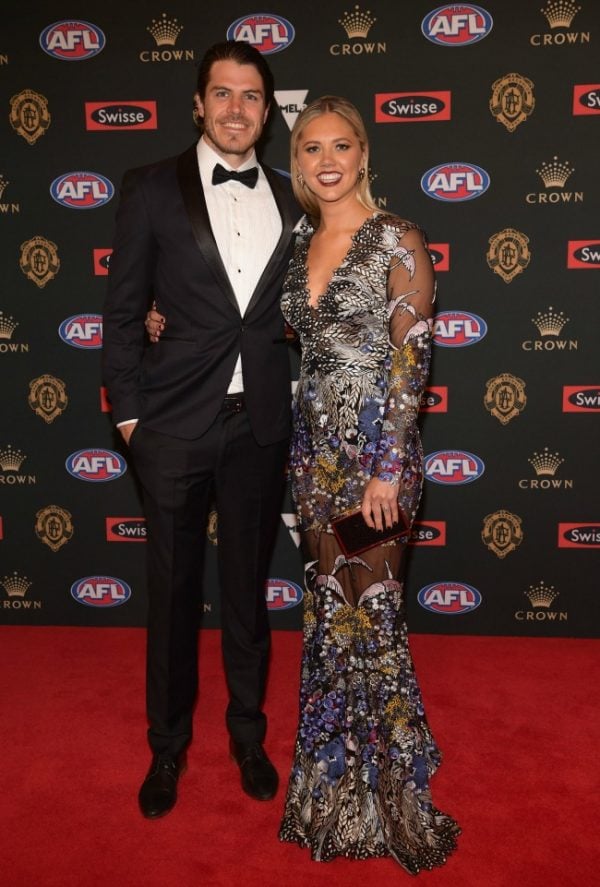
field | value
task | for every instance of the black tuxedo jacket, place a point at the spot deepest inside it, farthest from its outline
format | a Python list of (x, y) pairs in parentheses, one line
[(165, 250)]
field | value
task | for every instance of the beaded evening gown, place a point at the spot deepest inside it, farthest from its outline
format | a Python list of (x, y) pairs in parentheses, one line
[(364, 753)]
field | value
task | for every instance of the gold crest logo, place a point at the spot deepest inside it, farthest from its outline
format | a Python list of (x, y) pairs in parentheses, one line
[(39, 260), (54, 526), (502, 532), (29, 116), (4, 183), (212, 527), (505, 397), (508, 253), (512, 100), (47, 397)]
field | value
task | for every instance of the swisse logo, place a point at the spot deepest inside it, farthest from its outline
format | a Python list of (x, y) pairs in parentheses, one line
[(81, 190), (120, 115), (100, 591), (581, 399), (586, 98), (456, 329), (72, 41), (440, 256), (582, 535), (449, 598), (435, 399), (403, 107), (96, 466), (453, 467), (583, 254), (455, 182), (457, 24), (266, 32), (282, 594), (82, 331), (126, 529), (102, 262), (432, 532)]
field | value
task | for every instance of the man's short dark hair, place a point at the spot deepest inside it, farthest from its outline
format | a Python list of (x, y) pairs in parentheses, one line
[(236, 51)]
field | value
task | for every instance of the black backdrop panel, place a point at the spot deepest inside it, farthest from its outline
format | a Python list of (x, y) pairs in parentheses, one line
[(484, 129)]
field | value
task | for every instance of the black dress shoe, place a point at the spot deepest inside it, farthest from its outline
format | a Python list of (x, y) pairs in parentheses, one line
[(158, 793), (259, 776)]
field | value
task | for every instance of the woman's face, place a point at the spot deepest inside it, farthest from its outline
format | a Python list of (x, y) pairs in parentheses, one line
[(329, 156)]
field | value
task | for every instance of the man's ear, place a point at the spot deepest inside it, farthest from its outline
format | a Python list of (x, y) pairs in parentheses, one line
[(198, 106)]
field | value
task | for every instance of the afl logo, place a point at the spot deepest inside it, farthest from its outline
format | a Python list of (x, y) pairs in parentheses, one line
[(82, 331), (449, 598), (81, 190), (100, 591), (96, 466), (456, 329), (282, 594), (266, 32), (457, 24), (453, 467), (455, 182), (72, 41)]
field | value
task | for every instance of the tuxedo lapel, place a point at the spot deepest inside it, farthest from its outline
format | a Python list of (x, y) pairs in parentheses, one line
[(288, 221), (190, 184)]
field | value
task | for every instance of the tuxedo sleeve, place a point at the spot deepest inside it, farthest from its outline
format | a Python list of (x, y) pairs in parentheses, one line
[(128, 299)]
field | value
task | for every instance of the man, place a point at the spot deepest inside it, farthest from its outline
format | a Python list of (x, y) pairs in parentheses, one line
[(206, 236)]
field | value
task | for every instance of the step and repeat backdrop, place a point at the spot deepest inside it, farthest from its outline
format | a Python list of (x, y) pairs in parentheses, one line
[(484, 124)]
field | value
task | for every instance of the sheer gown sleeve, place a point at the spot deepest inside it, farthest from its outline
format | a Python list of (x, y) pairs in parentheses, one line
[(411, 293)]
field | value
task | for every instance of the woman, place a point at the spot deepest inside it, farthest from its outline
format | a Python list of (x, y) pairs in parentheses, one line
[(359, 293)]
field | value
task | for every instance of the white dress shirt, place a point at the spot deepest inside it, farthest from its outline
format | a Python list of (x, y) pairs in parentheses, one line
[(246, 225)]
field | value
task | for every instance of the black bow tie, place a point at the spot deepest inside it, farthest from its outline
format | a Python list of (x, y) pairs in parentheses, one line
[(248, 177)]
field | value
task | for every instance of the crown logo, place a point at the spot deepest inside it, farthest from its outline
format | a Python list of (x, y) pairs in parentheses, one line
[(555, 173), (560, 13), (15, 585), (7, 325), (164, 30), (3, 184), (357, 23), (546, 463), (550, 322), (541, 595), (11, 460)]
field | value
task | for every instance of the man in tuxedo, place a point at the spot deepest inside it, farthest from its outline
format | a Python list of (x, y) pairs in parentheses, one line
[(206, 236)]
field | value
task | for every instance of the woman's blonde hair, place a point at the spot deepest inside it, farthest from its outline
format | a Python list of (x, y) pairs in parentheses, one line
[(329, 104)]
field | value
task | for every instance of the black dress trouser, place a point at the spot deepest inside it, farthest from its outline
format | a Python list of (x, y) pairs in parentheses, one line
[(179, 479)]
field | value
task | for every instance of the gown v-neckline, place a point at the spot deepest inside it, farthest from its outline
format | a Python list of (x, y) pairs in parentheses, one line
[(336, 270)]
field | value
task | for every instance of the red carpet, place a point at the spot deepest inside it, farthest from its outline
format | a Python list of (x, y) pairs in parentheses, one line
[(517, 719)]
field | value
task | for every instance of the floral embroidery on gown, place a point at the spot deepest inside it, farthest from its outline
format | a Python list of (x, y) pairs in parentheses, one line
[(364, 753)]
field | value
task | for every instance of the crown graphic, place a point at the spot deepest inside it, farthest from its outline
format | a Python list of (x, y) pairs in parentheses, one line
[(541, 595), (15, 585), (560, 13), (10, 459), (555, 174), (3, 184), (546, 463), (164, 30), (357, 23), (550, 322), (7, 325)]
